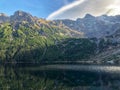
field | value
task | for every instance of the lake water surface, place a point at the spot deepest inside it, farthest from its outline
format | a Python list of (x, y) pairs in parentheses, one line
[(61, 77)]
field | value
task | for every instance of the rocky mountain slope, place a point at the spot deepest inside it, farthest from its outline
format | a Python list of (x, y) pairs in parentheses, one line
[(104, 31), (92, 26), (110, 49), (4, 18)]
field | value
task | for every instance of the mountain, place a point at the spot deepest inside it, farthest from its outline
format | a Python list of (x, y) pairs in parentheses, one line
[(104, 31), (22, 16), (4, 18), (94, 26), (110, 49), (25, 38)]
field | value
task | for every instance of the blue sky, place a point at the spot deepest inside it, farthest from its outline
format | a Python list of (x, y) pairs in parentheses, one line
[(40, 8), (61, 9)]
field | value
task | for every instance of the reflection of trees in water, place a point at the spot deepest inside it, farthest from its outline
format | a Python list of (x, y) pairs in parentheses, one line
[(13, 78)]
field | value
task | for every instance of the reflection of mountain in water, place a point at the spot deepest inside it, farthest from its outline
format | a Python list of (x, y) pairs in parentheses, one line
[(88, 68), (14, 77)]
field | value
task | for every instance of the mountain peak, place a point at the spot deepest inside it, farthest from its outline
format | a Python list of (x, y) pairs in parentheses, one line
[(3, 18), (22, 16), (88, 16), (21, 13), (3, 14)]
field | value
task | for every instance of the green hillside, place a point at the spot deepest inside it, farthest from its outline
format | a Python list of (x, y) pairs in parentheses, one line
[(35, 43)]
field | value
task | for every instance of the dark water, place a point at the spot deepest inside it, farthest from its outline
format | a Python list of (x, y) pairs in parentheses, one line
[(60, 77)]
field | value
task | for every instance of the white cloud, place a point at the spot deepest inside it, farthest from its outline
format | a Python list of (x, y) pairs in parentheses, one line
[(79, 8)]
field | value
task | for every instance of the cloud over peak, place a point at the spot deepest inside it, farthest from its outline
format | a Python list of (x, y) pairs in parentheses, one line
[(79, 8)]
